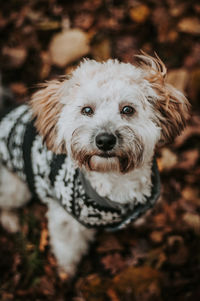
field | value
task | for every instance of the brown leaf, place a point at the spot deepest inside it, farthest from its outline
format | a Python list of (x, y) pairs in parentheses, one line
[(167, 160), (109, 243), (83, 20), (18, 89), (68, 46), (139, 13), (157, 236), (112, 294), (191, 130), (46, 286), (161, 19), (156, 257), (191, 194), (136, 279), (15, 56), (46, 64), (194, 83), (189, 25), (43, 239), (113, 262), (176, 250), (178, 78), (188, 159), (193, 221), (101, 51)]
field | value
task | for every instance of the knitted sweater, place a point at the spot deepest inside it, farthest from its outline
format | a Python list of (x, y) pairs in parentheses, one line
[(54, 176)]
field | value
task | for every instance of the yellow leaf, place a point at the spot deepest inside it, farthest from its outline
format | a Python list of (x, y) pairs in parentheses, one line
[(43, 240), (140, 13)]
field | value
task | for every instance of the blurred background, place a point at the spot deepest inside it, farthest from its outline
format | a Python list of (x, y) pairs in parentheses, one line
[(160, 258)]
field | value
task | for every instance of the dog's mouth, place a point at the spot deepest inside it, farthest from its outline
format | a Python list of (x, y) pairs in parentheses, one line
[(106, 155), (104, 162)]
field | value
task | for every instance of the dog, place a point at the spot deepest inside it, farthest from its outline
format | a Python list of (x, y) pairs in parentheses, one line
[(85, 146)]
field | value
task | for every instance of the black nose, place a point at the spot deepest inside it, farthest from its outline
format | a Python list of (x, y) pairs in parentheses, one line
[(105, 141)]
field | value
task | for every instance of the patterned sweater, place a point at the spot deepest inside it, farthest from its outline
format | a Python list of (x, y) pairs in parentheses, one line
[(54, 176)]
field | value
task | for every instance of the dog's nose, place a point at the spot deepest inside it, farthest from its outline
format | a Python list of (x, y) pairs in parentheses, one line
[(105, 141)]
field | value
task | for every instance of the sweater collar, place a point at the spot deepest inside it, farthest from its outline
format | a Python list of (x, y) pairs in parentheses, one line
[(128, 211)]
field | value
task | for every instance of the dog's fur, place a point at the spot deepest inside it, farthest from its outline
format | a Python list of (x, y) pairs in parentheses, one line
[(158, 113)]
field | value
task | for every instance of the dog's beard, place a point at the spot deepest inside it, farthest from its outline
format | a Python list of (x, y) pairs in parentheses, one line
[(127, 155)]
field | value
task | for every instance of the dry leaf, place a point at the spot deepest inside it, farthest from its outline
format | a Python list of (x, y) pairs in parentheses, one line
[(193, 221), (68, 46), (178, 78), (191, 194), (157, 236), (139, 13), (167, 160), (113, 262), (18, 89), (15, 56), (190, 25), (191, 130), (109, 243), (188, 159), (136, 279), (43, 240), (101, 51)]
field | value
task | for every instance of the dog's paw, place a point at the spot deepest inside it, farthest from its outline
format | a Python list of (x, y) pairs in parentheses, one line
[(67, 272), (9, 221)]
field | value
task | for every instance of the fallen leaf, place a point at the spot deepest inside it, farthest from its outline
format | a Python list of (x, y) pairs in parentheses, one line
[(167, 160), (112, 295), (193, 221), (191, 130), (48, 25), (46, 64), (139, 13), (194, 83), (157, 236), (178, 78), (176, 250), (191, 194), (189, 25), (113, 262), (43, 239), (101, 51), (18, 88), (68, 46), (15, 57), (83, 20), (188, 159), (136, 279), (109, 243)]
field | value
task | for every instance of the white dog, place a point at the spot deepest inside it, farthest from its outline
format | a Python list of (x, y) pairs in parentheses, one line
[(86, 148)]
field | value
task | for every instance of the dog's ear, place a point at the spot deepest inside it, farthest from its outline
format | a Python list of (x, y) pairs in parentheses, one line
[(170, 105), (46, 107)]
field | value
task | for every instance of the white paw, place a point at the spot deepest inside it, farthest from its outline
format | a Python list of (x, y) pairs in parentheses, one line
[(67, 271), (9, 221)]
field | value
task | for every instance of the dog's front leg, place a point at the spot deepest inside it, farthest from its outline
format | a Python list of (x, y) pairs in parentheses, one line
[(69, 239)]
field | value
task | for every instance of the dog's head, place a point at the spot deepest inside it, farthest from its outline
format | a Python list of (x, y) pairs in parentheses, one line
[(110, 116)]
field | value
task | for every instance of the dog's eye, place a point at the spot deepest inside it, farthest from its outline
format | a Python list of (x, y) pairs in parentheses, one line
[(87, 111), (127, 110)]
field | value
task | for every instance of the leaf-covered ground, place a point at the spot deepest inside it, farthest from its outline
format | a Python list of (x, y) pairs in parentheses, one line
[(158, 259)]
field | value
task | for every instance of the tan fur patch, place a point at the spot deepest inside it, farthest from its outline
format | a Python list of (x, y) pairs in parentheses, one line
[(46, 108), (172, 107)]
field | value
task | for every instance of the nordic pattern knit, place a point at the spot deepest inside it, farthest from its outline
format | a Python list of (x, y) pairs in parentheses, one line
[(54, 176)]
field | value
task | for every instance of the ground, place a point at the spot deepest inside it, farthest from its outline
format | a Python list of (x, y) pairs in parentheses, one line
[(160, 258)]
